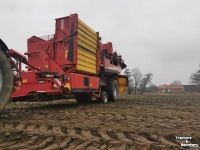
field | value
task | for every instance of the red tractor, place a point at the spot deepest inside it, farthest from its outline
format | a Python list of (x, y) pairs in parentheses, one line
[(72, 61)]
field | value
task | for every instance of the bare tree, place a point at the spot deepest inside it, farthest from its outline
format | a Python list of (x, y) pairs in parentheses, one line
[(145, 81), (195, 79), (176, 82), (130, 81), (137, 76), (153, 87)]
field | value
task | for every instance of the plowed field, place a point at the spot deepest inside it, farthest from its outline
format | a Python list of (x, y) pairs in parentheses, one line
[(142, 122)]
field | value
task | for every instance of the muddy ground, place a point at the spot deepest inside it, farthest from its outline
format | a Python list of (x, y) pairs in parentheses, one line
[(133, 122)]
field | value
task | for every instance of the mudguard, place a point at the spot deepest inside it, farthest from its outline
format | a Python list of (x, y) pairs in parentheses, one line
[(122, 82)]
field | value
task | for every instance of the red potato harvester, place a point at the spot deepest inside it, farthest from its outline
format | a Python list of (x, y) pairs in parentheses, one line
[(72, 61)]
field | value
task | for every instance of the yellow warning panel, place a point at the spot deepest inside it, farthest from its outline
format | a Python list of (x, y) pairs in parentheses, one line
[(24, 81), (17, 88), (66, 53), (46, 66), (122, 83), (67, 86)]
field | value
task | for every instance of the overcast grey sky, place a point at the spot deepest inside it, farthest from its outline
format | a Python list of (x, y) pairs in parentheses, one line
[(157, 36)]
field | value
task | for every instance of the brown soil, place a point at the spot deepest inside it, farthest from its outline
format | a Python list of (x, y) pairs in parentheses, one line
[(133, 122)]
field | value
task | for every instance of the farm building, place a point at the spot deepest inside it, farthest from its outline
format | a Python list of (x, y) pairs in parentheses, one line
[(170, 88), (190, 87)]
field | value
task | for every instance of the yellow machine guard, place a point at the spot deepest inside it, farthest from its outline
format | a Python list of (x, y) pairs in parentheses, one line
[(87, 37), (86, 61), (87, 48), (122, 83)]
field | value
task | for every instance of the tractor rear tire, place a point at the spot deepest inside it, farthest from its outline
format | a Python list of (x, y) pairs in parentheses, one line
[(103, 97), (6, 80), (111, 89)]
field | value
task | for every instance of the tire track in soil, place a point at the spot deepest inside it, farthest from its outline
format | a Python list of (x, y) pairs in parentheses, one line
[(73, 138), (96, 126)]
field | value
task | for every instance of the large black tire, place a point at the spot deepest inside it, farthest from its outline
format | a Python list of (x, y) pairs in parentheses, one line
[(6, 80), (112, 89), (83, 97)]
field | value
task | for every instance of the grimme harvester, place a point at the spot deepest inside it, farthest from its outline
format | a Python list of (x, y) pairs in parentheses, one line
[(73, 61)]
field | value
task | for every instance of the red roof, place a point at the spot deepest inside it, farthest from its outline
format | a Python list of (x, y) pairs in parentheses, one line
[(170, 87)]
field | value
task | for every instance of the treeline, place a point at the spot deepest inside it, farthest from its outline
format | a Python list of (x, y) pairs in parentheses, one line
[(137, 80)]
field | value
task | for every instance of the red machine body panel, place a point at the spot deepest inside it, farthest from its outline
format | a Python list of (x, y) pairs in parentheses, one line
[(110, 68), (83, 83), (29, 85)]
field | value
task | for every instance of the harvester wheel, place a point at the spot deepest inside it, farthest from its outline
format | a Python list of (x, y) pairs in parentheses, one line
[(6, 80), (103, 97), (111, 89)]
